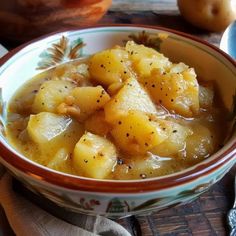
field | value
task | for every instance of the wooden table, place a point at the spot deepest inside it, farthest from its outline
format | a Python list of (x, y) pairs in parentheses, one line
[(207, 215)]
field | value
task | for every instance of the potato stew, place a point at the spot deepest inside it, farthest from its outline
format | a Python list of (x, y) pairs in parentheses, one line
[(123, 113)]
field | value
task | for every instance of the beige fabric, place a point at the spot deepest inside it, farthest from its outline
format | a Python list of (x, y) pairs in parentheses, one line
[(26, 218)]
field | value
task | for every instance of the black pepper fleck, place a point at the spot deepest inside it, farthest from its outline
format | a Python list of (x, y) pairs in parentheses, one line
[(120, 162)]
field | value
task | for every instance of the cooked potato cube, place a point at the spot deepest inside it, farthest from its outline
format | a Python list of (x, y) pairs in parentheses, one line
[(130, 97), (178, 92), (46, 126), (94, 156), (114, 88), (61, 161), (178, 68), (176, 141), (49, 131), (206, 96), (75, 73), (145, 59), (135, 133), (50, 95), (97, 124), (140, 167), (84, 101), (110, 66), (200, 144)]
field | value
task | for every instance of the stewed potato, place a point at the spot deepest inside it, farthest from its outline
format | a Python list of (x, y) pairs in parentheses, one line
[(178, 92), (145, 59), (132, 96), (136, 133), (94, 156), (51, 94), (83, 101), (124, 113), (110, 66)]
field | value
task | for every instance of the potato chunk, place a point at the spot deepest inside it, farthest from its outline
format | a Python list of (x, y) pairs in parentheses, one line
[(175, 142), (136, 134), (200, 144), (110, 66), (140, 167), (178, 92), (50, 95), (83, 101), (51, 133), (45, 126), (76, 73), (97, 124), (130, 97), (94, 156), (145, 59), (61, 161), (206, 96)]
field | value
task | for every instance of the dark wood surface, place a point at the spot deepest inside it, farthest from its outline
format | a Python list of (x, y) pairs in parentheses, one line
[(207, 215)]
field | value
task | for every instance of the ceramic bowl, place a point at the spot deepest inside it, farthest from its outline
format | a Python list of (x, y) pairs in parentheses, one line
[(21, 20), (109, 197)]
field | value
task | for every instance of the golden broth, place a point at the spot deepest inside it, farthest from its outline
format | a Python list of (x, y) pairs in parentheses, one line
[(189, 140)]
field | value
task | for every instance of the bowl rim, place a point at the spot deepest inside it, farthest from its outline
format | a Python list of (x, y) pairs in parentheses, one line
[(112, 186)]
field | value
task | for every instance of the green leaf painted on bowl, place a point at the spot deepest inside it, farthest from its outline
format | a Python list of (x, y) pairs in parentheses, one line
[(116, 206), (60, 52), (147, 39), (181, 197), (148, 203)]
